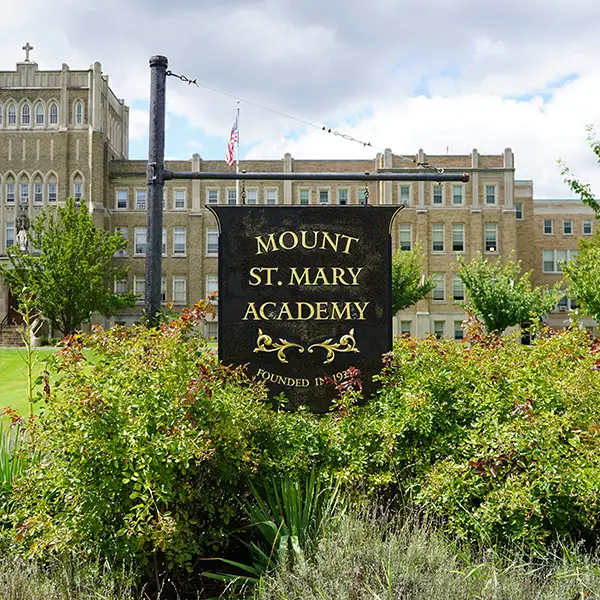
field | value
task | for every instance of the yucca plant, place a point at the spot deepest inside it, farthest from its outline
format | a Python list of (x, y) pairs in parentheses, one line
[(12, 459), (291, 516)]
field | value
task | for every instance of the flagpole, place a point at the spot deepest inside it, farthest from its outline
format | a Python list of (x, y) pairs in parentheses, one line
[(237, 162)]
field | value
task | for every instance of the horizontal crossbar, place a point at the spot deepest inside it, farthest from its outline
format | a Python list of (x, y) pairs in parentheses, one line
[(464, 177)]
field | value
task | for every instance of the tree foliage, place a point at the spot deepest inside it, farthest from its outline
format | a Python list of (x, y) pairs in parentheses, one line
[(69, 270), (500, 295), (577, 187), (409, 283), (583, 275)]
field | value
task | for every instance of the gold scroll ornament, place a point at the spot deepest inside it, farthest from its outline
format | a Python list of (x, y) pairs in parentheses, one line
[(347, 343)]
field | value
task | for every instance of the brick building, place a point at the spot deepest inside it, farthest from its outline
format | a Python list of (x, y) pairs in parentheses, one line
[(65, 133)]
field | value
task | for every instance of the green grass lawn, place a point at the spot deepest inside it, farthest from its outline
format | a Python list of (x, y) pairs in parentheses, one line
[(13, 376)]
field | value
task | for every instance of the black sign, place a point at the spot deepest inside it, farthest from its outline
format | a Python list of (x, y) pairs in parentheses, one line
[(304, 294)]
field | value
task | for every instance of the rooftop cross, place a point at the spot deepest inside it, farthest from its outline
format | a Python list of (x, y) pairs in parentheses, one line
[(27, 49)]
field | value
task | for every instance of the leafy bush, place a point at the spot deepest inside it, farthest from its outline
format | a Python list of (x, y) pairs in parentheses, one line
[(372, 557), (148, 447)]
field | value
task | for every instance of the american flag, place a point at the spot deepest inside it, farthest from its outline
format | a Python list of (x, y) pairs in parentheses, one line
[(233, 138)]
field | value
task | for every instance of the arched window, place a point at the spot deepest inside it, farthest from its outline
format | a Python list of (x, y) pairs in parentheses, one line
[(0, 115), (77, 187), (24, 190), (39, 114), (11, 114), (52, 188), (10, 190), (26, 114), (78, 113), (38, 190), (53, 114)]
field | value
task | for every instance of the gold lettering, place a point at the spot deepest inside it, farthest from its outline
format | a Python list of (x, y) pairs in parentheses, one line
[(304, 244), (254, 272), (355, 275), (261, 310), (285, 308), (322, 312), (294, 240), (349, 241), (327, 237), (319, 381), (337, 274), (251, 308), (296, 280), (264, 248), (338, 314), (361, 309), (269, 271), (312, 311), (320, 276)]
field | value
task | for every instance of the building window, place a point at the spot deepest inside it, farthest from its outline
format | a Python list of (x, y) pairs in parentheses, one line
[(404, 193), (24, 193), (438, 193), (140, 241), (458, 330), (568, 227), (519, 209), (11, 115), (121, 199), (163, 288), (437, 237), (77, 189), (120, 286), (10, 193), (458, 237), (139, 287), (212, 196), (587, 227), (490, 194), (342, 196), (179, 241), (212, 241), (0, 115), (52, 191), (9, 239), (212, 330), (438, 329), (362, 197), (25, 114), (53, 114), (271, 197), (180, 200), (457, 194), (552, 260), (179, 291), (547, 226), (78, 113), (124, 234), (458, 288), (438, 292), (231, 197), (323, 196), (38, 193), (405, 236), (140, 199), (39, 114), (212, 287), (491, 237), (304, 197), (252, 196), (164, 242), (406, 327)]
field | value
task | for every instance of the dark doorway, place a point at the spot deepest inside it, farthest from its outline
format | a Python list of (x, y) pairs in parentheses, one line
[(14, 318)]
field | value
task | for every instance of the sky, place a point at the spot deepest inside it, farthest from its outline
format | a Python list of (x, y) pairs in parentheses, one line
[(443, 75)]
